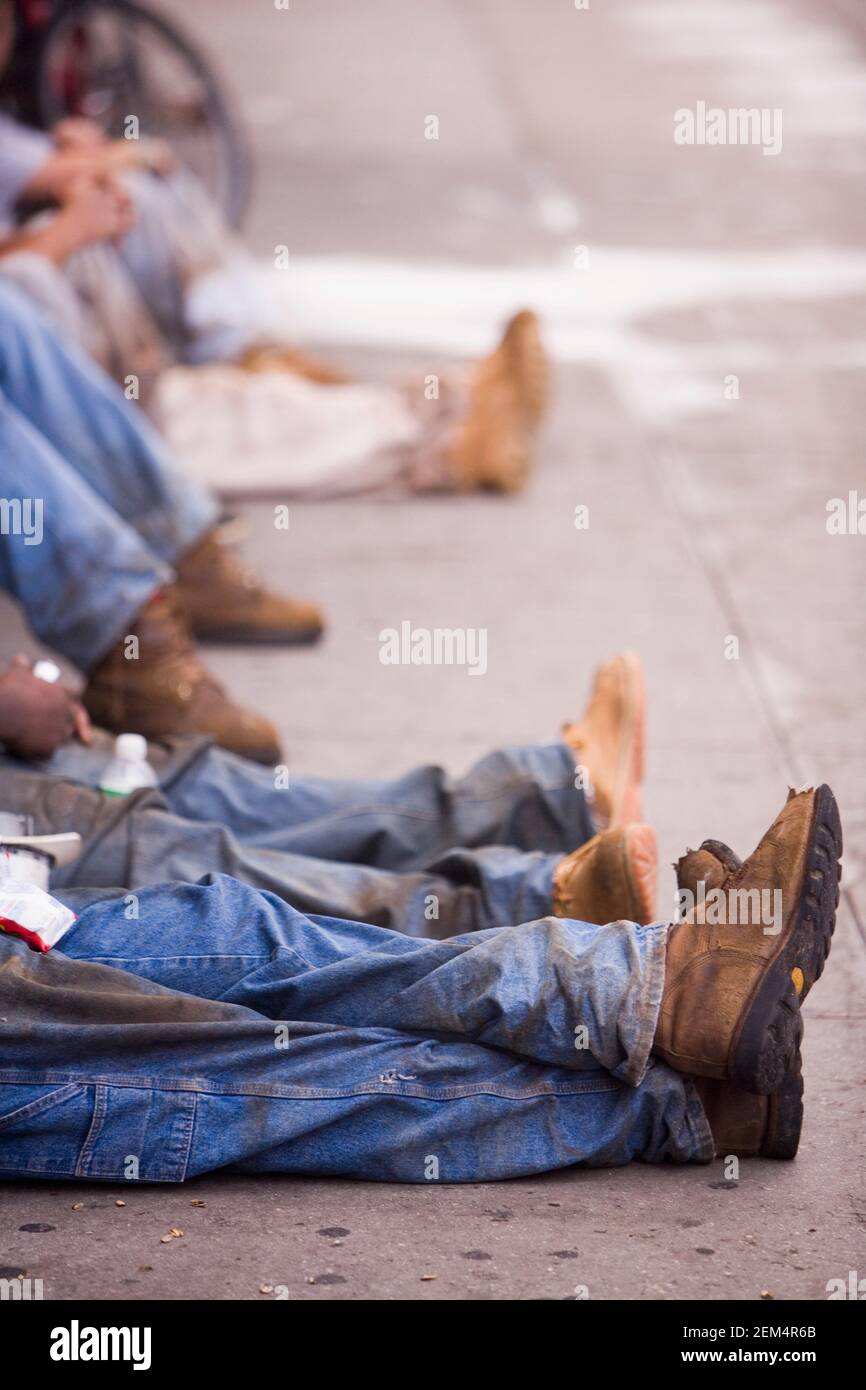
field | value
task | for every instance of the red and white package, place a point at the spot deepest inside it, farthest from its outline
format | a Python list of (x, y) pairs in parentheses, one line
[(28, 912)]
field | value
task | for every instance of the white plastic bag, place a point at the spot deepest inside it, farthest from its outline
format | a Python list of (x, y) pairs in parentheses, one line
[(28, 912)]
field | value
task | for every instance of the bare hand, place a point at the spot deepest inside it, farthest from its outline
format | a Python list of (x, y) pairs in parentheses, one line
[(79, 133), (145, 153), (37, 717), (96, 211)]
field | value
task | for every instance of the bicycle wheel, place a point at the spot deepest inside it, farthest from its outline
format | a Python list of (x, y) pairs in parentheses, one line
[(111, 59)]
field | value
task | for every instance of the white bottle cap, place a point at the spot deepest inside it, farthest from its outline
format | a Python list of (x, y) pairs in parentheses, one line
[(131, 746), (47, 671)]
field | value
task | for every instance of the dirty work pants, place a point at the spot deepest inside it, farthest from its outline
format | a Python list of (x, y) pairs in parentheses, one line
[(222, 1028), (95, 513), (421, 854)]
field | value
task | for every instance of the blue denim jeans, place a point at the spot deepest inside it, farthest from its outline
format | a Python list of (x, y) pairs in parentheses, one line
[(115, 514), (223, 1028), (421, 854)]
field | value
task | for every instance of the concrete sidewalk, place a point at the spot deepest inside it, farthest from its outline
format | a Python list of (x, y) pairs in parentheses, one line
[(708, 406)]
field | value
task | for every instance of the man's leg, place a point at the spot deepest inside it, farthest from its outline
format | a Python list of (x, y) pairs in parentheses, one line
[(527, 989), (530, 798), (522, 797), (127, 1076), (135, 842), (464, 891), (525, 798), (45, 284), (98, 433), (111, 445), (80, 573)]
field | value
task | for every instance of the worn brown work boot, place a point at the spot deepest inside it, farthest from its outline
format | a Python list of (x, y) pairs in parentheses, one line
[(754, 1126), (167, 690), (275, 357), (731, 1002), (612, 878), (608, 740), (507, 395), (224, 602), (709, 865)]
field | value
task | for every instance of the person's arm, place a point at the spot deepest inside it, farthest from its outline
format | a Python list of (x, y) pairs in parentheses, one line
[(85, 136), (36, 717), (66, 165)]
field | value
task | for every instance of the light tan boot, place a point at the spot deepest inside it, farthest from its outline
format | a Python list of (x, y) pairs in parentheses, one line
[(167, 690), (224, 602), (612, 878), (608, 740), (507, 396), (730, 1008)]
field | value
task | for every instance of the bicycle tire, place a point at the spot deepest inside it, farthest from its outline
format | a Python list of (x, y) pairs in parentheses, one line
[(234, 196)]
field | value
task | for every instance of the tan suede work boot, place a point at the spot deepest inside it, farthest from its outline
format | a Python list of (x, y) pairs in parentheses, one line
[(754, 1126), (224, 602), (612, 878), (608, 740), (167, 690), (507, 396), (738, 967)]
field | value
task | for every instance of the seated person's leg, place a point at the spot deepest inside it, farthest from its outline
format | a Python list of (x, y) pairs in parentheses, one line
[(46, 285), (79, 572), (92, 589), (523, 797), (123, 459), (98, 433), (532, 798), (524, 989), (114, 1078)]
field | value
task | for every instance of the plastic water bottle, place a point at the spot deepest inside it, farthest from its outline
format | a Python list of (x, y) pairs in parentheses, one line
[(129, 768)]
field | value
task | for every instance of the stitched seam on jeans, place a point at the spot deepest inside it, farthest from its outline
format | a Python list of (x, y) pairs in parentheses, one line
[(37, 1107), (276, 1092), (95, 960), (100, 1109)]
